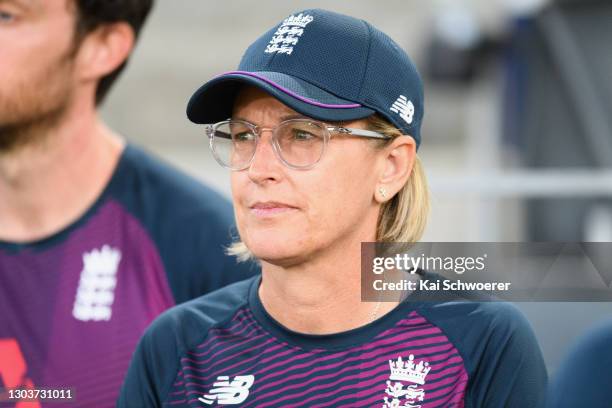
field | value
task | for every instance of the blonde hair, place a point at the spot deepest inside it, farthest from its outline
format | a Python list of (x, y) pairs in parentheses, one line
[(401, 219)]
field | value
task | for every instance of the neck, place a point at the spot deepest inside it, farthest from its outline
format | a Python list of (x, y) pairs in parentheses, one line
[(51, 181), (322, 295)]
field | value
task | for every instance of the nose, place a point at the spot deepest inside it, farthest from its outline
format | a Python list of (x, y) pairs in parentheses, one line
[(265, 166)]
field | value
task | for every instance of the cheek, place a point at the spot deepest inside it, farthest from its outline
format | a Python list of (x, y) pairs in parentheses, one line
[(36, 43), (334, 200), (340, 199), (324, 202), (239, 185)]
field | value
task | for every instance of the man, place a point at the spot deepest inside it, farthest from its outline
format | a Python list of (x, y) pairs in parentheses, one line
[(96, 237)]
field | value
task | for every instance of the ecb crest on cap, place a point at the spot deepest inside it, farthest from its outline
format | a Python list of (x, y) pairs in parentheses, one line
[(288, 34)]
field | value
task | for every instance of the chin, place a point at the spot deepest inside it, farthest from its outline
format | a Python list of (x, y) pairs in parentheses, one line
[(276, 249)]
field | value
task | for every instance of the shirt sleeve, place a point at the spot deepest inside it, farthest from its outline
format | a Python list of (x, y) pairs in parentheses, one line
[(511, 371)]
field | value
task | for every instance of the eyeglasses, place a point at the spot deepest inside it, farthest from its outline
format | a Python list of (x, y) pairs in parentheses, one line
[(298, 143)]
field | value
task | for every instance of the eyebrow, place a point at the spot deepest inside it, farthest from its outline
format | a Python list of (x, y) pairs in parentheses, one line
[(22, 4), (293, 116), (282, 118)]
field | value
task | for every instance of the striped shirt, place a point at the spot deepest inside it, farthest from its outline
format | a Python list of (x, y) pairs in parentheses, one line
[(224, 349)]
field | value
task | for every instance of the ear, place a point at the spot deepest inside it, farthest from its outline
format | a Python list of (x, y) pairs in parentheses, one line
[(397, 162), (104, 50)]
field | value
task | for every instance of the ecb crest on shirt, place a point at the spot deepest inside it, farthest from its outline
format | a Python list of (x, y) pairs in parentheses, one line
[(95, 293), (400, 394)]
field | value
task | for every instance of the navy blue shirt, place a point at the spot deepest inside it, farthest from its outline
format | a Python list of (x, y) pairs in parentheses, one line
[(225, 349), (584, 378), (74, 305)]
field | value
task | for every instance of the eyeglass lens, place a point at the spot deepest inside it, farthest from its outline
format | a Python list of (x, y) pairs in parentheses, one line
[(300, 143)]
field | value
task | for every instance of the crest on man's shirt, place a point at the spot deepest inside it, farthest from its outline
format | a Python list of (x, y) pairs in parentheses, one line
[(403, 372), (96, 290)]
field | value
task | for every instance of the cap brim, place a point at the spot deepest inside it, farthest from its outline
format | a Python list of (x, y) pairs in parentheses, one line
[(214, 101)]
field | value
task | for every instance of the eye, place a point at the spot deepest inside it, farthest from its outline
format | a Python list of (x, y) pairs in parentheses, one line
[(303, 135), (244, 136), (6, 17)]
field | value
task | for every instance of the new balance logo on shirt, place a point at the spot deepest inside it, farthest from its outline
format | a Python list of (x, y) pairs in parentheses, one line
[(227, 392)]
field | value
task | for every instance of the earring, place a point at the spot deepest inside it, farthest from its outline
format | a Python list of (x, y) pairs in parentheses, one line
[(382, 192)]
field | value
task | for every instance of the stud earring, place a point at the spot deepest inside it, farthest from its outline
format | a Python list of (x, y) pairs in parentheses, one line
[(382, 192)]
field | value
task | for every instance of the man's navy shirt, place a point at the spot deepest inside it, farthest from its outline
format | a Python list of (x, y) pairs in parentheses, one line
[(224, 349), (74, 305)]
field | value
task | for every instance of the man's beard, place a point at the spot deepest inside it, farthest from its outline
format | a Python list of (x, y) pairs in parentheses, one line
[(35, 105)]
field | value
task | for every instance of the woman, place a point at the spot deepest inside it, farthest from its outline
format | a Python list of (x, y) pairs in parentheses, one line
[(325, 112)]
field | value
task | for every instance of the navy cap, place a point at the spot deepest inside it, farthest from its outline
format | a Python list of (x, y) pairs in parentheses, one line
[(326, 66)]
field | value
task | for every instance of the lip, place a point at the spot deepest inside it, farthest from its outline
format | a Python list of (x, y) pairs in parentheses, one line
[(270, 208)]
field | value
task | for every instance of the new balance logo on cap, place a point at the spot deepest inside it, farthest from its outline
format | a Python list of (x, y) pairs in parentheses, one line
[(288, 34), (227, 392), (404, 108)]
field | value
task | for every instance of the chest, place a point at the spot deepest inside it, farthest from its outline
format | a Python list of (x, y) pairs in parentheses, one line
[(247, 367), (72, 312)]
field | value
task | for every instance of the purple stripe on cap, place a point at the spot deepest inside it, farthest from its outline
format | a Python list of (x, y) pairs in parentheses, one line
[(291, 93)]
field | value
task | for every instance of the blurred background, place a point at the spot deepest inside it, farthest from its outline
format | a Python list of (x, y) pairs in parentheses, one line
[(517, 137)]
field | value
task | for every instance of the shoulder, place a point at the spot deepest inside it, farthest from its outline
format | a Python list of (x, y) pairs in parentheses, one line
[(493, 322), (143, 178), (500, 315), (497, 315), (465, 309), (156, 361), (499, 351), (483, 331), (188, 323)]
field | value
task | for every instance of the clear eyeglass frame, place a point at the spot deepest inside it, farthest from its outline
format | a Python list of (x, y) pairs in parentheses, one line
[(328, 131)]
